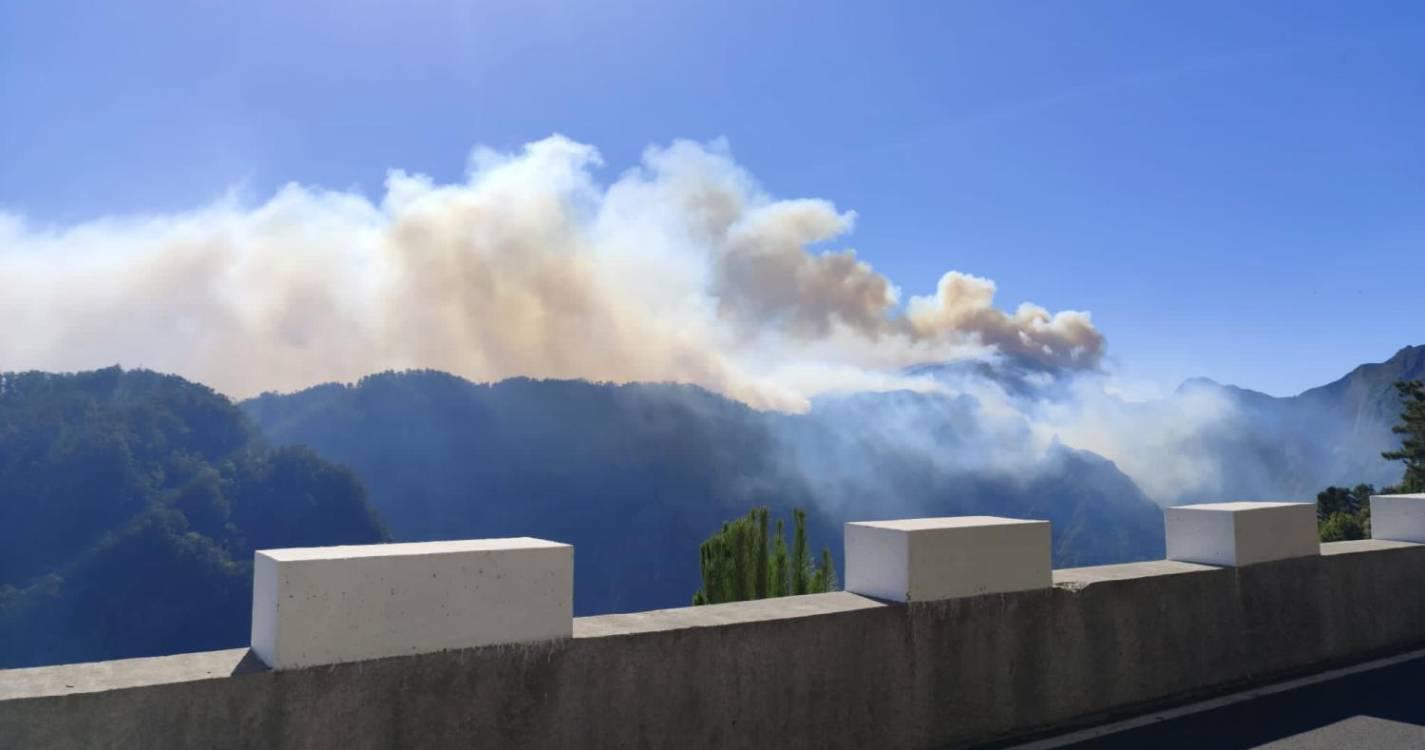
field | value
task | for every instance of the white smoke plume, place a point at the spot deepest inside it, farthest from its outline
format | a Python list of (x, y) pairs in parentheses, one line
[(682, 269)]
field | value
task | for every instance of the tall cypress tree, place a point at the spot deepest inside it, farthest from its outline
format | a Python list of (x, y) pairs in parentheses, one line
[(824, 579), (801, 561), (738, 563), (739, 576), (777, 586), (761, 570), (1412, 427)]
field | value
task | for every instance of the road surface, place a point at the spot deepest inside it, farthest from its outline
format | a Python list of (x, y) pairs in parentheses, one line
[(1380, 708)]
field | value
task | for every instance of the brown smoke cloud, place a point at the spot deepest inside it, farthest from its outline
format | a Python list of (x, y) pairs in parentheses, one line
[(680, 270), (964, 305)]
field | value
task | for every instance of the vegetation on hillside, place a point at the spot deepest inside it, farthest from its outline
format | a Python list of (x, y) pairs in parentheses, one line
[(1412, 444), (1345, 513), (636, 476), (130, 506), (738, 563)]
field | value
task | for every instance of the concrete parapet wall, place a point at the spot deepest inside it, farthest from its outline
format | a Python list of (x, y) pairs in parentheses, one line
[(821, 671)]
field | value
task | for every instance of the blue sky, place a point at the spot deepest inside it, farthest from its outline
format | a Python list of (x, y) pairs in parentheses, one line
[(1234, 190)]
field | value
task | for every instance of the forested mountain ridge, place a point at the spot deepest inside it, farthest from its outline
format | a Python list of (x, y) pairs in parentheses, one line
[(131, 502), (636, 476), (130, 505)]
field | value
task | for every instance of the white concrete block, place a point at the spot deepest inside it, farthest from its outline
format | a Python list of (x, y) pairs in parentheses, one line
[(322, 605), (924, 559), (1399, 518), (1236, 534)]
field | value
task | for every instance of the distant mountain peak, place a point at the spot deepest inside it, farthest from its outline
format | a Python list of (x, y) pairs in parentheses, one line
[(1411, 356), (1198, 382)]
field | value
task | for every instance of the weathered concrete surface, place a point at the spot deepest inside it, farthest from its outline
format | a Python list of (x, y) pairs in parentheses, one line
[(325, 605), (928, 559), (1398, 517), (830, 670), (1241, 533)]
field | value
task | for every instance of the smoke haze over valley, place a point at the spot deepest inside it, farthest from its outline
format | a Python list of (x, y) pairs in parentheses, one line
[(681, 269), (650, 279), (136, 499), (621, 365)]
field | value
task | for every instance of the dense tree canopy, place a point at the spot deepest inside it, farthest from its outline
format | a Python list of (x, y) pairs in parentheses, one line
[(1348, 500), (1344, 527), (1344, 513), (130, 506), (739, 564)]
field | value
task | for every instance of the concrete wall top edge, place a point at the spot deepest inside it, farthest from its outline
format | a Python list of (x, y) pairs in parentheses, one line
[(1078, 577), (719, 615), (102, 676), (348, 551), (1364, 545)]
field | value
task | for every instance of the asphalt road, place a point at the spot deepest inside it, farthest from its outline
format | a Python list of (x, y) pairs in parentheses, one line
[(1380, 709)]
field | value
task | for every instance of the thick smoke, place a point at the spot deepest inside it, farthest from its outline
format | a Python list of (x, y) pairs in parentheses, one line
[(682, 269), (966, 303)]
